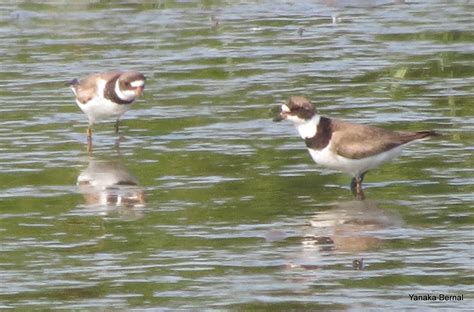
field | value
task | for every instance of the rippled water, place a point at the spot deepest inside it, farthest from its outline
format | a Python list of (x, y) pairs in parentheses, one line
[(202, 201)]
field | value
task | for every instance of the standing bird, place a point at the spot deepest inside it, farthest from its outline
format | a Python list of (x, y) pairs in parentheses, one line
[(345, 146), (107, 95)]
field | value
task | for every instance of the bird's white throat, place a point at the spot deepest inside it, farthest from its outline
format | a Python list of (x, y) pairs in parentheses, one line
[(308, 128)]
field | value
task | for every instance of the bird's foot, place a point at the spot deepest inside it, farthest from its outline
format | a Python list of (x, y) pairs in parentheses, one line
[(360, 193), (89, 133), (89, 146), (356, 187)]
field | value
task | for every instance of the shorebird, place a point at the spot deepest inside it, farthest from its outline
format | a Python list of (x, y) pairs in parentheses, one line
[(345, 146), (107, 95)]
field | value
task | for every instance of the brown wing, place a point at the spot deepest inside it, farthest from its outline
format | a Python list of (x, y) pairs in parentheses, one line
[(358, 141), (86, 89)]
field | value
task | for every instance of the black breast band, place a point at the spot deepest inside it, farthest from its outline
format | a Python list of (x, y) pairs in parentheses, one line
[(109, 92)]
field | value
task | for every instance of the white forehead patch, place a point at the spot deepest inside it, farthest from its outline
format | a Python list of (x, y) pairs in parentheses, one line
[(285, 108), (137, 83)]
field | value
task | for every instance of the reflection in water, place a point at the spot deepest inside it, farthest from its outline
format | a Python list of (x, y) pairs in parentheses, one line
[(348, 227), (109, 186), (204, 122)]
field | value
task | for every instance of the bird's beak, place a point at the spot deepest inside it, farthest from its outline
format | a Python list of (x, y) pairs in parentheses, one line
[(139, 90), (279, 117), (284, 110)]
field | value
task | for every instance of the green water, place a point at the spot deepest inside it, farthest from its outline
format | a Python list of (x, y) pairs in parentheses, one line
[(229, 212)]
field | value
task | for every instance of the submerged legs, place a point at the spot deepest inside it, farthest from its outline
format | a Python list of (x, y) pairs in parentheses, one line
[(89, 133), (89, 138), (356, 186), (116, 126)]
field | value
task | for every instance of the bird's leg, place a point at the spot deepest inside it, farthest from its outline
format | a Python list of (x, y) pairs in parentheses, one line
[(89, 146), (359, 192), (89, 133), (116, 126), (353, 186), (89, 138), (356, 186)]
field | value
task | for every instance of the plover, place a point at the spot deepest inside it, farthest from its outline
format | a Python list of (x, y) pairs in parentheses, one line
[(107, 95), (344, 146)]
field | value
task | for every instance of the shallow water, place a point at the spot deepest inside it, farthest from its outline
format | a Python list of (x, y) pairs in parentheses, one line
[(222, 208)]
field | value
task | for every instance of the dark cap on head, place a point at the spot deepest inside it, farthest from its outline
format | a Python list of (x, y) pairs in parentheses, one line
[(301, 107), (298, 106), (132, 76), (132, 80)]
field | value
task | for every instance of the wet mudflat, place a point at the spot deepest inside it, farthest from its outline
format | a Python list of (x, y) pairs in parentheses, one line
[(217, 206)]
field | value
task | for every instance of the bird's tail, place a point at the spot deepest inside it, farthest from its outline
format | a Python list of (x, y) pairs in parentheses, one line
[(426, 134), (420, 135)]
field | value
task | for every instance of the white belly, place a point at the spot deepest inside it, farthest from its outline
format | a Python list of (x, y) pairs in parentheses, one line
[(354, 167), (101, 108)]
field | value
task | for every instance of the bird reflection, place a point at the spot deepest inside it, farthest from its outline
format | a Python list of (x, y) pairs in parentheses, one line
[(109, 186), (349, 227)]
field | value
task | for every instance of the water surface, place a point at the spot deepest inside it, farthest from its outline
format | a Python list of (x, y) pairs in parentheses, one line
[(222, 208)]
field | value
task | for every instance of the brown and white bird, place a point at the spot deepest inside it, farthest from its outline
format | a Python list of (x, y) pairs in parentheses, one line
[(107, 95), (344, 146)]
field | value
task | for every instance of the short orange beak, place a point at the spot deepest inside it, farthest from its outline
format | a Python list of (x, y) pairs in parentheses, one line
[(281, 116), (139, 90)]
